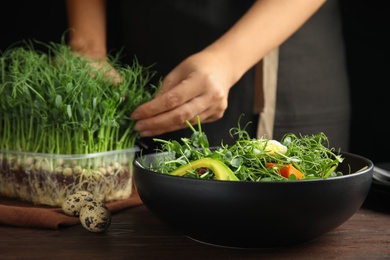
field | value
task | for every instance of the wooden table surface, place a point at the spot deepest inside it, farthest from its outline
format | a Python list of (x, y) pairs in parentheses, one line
[(137, 234)]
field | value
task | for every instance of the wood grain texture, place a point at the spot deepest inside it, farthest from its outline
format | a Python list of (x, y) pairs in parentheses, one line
[(137, 234)]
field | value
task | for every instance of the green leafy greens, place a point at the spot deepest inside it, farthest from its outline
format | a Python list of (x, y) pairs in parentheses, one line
[(56, 102), (248, 157)]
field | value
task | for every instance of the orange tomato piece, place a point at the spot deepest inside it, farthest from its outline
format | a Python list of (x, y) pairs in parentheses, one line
[(286, 170)]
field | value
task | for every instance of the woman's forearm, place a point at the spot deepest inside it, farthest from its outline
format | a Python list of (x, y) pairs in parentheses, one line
[(266, 25), (87, 23)]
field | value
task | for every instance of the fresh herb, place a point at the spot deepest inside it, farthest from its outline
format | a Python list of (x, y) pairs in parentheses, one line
[(250, 159), (58, 103)]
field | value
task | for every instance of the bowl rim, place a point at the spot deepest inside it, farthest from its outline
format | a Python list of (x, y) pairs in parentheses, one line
[(369, 169)]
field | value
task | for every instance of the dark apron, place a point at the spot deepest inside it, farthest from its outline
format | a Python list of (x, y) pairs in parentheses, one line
[(312, 85), (313, 88)]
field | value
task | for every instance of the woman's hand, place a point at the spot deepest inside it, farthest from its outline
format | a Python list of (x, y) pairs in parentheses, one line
[(197, 86), (200, 84), (109, 72)]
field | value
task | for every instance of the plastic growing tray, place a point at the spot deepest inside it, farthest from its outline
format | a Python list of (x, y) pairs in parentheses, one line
[(49, 178)]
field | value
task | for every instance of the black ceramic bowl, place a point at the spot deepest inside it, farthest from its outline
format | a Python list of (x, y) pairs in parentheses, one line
[(255, 214)]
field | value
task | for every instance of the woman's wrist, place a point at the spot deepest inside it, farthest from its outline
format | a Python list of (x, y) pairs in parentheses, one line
[(88, 48)]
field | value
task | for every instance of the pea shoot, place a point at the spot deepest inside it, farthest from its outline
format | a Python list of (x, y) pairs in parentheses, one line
[(58, 103), (249, 159)]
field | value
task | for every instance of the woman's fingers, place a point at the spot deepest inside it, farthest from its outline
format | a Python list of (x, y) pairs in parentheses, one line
[(175, 119), (167, 101), (198, 86)]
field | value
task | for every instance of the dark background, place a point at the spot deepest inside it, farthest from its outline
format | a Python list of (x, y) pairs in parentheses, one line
[(366, 24), (42, 20), (365, 28)]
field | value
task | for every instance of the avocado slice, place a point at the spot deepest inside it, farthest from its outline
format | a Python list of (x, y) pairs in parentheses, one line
[(221, 170)]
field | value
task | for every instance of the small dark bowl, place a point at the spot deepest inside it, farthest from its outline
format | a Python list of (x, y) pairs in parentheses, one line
[(255, 214)]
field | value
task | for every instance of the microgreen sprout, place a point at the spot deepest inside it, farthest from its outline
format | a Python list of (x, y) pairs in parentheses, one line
[(249, 157), (56, 102)]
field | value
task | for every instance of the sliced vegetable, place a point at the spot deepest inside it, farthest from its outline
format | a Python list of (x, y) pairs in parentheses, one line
[(221, 170), (296, 157), (286, 170)]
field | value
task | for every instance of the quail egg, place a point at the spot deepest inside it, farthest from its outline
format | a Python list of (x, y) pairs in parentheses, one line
[(272, 147), (95, 216), (74, 202)]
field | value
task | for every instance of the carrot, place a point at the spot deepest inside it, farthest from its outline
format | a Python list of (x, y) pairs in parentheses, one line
[(286, 170)]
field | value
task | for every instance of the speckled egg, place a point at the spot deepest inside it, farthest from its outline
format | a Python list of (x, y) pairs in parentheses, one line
[(95, 216), (74, 202)]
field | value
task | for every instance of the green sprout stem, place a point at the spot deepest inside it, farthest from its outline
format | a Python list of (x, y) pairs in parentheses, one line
[(56, 102)]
